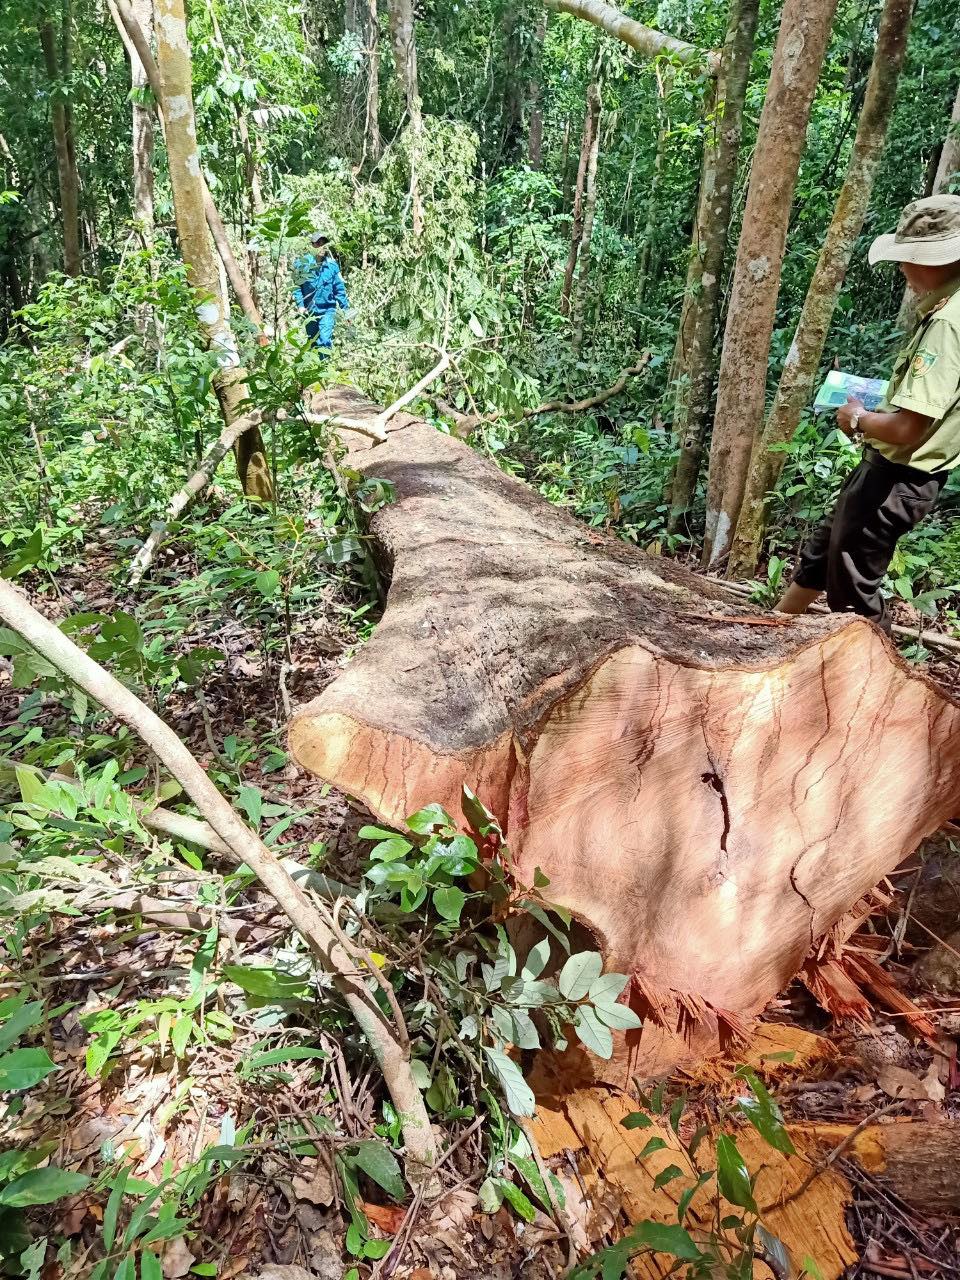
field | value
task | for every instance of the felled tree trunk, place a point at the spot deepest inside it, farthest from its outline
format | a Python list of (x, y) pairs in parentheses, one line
[(795, 392), (707, 792)]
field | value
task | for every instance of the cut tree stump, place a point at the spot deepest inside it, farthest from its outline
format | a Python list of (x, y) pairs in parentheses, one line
[(707, 790)]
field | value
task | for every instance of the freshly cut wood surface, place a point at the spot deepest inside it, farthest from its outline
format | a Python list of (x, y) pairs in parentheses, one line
[(706, 795), (587, 1123)]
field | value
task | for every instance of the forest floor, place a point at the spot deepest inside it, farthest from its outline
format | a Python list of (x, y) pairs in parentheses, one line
[(281, 1208)]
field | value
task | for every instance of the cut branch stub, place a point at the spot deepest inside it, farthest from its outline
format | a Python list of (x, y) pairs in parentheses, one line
[(707, 794)]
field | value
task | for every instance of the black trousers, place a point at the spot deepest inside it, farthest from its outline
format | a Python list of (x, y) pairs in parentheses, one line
[(849, 552)]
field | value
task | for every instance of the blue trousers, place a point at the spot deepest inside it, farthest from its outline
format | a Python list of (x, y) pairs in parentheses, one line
[(320, 327)]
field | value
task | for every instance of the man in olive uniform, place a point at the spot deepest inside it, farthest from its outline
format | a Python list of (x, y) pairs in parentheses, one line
[(911, 442)]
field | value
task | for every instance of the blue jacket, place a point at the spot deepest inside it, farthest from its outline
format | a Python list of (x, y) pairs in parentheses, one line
[(319, 284)]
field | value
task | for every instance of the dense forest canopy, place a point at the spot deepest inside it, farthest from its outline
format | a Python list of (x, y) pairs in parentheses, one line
[(582, 271)]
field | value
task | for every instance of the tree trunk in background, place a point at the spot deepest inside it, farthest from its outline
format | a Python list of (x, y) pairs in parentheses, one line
[(948, 171), (534, 96), (62, 119), (579, 301), (142, 129), (796, 388), (699, 319), (648, 263), (189, 196), (798, 56), (590, 123), (350, 16), (404, 39), (372, 140)]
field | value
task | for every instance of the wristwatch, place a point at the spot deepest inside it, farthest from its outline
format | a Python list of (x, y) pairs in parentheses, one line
[(855, 435)]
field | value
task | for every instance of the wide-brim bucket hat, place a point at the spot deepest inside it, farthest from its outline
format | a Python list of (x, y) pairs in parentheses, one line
[(927, 234)]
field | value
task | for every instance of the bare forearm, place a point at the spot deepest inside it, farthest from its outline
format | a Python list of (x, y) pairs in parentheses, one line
[(902, 428)]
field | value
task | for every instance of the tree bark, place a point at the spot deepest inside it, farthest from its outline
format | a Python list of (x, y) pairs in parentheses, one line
[(700, 316), (62, 121), (799, 53), (647, 264), (404, 38), (372, 139), (591, 121), (947, 174), (645, 40), (535, 102), (579, 302), (142, 128), (707, 791), (189, 197), (795, 392), (131, 30)]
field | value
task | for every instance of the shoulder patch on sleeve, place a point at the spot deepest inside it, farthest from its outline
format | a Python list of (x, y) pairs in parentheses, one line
[(923, 361)]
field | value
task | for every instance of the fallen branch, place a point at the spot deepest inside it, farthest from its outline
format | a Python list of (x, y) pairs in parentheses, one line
[(310, 919), (591, 402), (191, 490), (646, 40), (933, 639), (375, 427)]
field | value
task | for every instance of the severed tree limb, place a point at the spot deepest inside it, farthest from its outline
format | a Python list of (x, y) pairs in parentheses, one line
[(645, 40), (591, 402), (137, 45), (375, 427), (310, 919), (191, 490)]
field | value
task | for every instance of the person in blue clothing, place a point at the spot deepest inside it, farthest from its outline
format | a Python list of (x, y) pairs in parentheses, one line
[(320, 291)]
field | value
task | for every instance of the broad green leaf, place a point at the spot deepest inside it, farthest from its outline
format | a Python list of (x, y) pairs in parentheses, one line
[(42, 1186), (428, 819), (577, 975), (654, 1144), (449, 902), (775, 1251), (764, 1114), (150, 1268), (608, 988), (669, 1174), (270, 984), (733, 1176), (379, 1163), (592, 1033), (23, 1068), (180, 1034), (518, 1094), (618, 1016), (376, 833), (665, 1238), (112, 1211), (536, 961), (687, 1197), (273, 1058), (21, 1020), (524, 1033), (636, 1120), (517, 1200), (490, 1195)]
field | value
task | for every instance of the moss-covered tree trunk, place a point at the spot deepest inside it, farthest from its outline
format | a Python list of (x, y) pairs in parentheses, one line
[(189, 190), (62, 121), (699, 319), (534, 99), (798, 57), (796, 388)]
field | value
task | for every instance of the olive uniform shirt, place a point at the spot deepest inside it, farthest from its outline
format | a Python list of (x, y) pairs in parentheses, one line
[(926, 379)]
